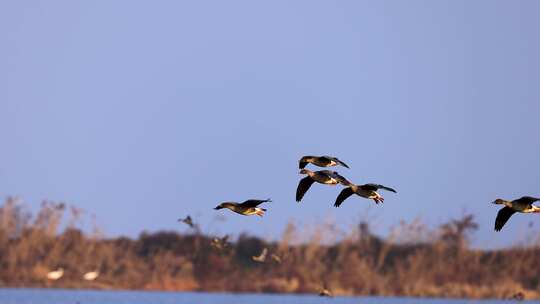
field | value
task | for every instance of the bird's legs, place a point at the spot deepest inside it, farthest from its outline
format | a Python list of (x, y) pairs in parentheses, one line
[(379, 199), (259, 212)]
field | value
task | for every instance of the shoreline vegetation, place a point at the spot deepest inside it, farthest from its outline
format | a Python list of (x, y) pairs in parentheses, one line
[(419, 262)]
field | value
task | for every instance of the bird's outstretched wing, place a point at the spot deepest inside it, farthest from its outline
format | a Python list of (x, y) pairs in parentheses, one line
[(303, 187), (254, 202), (375, 187), (302, 163), (502, 217), (527, 200), (341, 163), (261, 257), (341, 179), (343, 195)]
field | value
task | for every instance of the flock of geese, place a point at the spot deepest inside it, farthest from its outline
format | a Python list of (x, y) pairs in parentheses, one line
[(369, 191), (332, 178)]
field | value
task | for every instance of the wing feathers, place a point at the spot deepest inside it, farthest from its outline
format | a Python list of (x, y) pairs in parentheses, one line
[(254, 202), (502, 217), (303, 187), (343, 195)]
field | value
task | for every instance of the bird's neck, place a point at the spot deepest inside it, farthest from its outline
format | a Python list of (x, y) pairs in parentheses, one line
[(308, 172), (508, 204), (229, 205)]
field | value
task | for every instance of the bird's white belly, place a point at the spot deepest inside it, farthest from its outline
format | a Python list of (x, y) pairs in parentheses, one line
[(331, 182), (368, 194), (324, 180)]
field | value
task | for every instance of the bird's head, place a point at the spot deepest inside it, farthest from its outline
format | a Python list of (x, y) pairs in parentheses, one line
[(304, 171), (499, 201), (223, 205)]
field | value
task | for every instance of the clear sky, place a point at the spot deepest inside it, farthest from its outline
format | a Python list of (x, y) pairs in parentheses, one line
[(144, 111)]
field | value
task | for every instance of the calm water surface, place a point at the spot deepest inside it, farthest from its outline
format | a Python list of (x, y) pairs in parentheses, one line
[(61, 296)]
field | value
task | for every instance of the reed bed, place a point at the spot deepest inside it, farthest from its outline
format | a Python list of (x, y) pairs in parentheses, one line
[(415, 262)]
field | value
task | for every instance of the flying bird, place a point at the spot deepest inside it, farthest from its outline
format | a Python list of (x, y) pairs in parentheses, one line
[(90, 276), (321, 161), (368, 191), (188, 221), (220, 243), (522, 205), (261, 258), (326, 177), (248, 207), (55, 275)]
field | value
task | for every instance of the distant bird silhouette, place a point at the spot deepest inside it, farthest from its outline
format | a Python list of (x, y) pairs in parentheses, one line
[(90, 276), (188, 221), (325, 177), (368, 191), (522, 205), (220, 243), (261, 258), (55, 275), (276, 258), (324, 292), (248, 207), (321, 161)]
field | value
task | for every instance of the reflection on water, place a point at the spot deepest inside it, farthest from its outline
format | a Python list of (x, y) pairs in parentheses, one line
[(61, 296)]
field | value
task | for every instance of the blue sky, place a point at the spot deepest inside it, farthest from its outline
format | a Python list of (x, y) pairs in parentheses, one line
[(143, 112)]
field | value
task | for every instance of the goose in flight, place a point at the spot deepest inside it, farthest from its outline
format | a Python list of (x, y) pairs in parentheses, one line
[(326, 177), (220, 243), (261, 258), (55, 275), (188, 221), (523, 205), (248, 207), (321, 161), (367, 191)]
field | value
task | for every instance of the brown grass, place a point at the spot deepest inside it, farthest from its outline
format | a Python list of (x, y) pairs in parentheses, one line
[(414, 262)]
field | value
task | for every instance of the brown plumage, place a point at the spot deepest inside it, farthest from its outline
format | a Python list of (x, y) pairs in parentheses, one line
[(321, 161), (523, 205), (248, 207), (368, 191), (325, 177)]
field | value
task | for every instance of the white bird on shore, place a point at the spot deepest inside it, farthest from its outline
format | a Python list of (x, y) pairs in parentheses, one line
[(55, 275), (90, 276)]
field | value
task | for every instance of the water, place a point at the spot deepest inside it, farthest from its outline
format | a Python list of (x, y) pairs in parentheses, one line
[(63, 296)]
